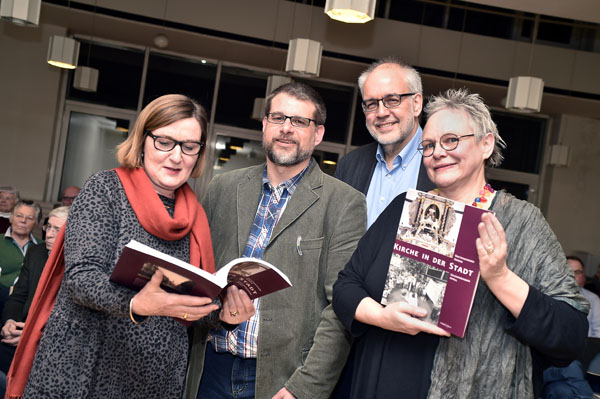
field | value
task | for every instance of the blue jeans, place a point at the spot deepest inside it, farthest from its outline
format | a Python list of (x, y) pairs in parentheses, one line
[(227, 376)]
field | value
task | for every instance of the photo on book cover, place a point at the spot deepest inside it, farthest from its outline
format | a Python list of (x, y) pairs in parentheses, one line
[(432, 223), (416, 283), (171, 280)]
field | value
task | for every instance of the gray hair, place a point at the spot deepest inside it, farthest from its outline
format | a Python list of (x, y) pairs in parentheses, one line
[(479, 113), (303, 92), (10, 190), (413, 79), (31, 204), (62, 212)]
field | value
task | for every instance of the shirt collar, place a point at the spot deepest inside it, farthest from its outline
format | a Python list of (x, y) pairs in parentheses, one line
[(9, 231), (290, 184), (408, 152)]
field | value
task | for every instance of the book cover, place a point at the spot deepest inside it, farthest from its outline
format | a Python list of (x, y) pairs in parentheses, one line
[(138, 262), (434, 262)]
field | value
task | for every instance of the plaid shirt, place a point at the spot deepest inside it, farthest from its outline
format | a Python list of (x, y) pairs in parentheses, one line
[(243, 340)]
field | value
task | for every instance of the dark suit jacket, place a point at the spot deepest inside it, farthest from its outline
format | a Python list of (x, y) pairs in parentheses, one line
[(18, 303), (357, 167)]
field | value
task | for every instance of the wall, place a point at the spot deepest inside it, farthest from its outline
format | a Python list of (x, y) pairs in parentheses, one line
[(572, 199), (28, 107)]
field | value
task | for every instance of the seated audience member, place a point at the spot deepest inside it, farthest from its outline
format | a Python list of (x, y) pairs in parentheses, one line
[(593, 283), (15, 242), (569, 382), (67, 198), (68, 195), (8, 198), (527, 312), (18, 303)]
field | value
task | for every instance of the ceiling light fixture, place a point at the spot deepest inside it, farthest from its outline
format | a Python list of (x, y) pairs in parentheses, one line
[(351, 11), (21, 12), (63, 52)]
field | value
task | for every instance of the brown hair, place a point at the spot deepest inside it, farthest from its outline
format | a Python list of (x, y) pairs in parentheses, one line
[(161, 112)]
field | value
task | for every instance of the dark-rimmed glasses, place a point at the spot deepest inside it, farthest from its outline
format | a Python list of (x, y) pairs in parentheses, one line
[(389, 101), (278, 118), (448, 141), (166, 144)]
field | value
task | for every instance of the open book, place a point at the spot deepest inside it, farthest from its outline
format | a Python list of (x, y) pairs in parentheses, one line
[(138, 262), (434, 262)]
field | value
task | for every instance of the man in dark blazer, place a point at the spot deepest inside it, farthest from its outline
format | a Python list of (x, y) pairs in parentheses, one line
[(392, 102), (17, 305), (307, 224), (392, 95)]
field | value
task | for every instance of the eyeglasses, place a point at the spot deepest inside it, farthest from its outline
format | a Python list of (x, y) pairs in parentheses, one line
[(68, 198), (278, 118), (166, 144), (50, 228), (389, 101), (448, 141)]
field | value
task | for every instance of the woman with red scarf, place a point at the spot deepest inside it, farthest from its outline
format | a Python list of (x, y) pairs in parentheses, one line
[(102, 340)]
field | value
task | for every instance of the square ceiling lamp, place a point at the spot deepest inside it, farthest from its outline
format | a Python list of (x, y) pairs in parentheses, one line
[(525, 94), (351, 11), (21, 12), (63, 52), (304, 57), (86, 79)]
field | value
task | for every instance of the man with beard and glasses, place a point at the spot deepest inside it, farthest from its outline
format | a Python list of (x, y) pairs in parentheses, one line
[(392, 95), (306, 223)]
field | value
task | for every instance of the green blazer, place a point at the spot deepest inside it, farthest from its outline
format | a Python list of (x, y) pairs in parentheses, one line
[(301, 343)]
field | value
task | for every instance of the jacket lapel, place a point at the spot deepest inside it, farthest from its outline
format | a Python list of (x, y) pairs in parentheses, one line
[(248, 195), (304, 197)]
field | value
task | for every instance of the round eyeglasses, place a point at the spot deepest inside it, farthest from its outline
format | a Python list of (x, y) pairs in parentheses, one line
[(389, 101), (166, 144), (278, 118), (448, 142)]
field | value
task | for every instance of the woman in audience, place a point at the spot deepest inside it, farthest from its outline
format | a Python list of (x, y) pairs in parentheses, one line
[(106, 341), (527, 311)]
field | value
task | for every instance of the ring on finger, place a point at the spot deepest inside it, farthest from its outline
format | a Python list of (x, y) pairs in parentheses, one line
[(233, 314), (490, 248), (185, 316)]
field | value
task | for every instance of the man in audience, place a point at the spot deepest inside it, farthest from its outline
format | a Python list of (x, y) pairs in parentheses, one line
[(569, 382), (17, 305), (306, 223), (8, 198), (67, 198), (68, 195), (392, 95), (594, 314)]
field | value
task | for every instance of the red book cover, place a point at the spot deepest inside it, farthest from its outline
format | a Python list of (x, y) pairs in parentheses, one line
[(138, 262), (434, 262)]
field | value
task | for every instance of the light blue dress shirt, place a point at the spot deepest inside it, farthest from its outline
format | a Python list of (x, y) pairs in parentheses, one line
[(386, 184)]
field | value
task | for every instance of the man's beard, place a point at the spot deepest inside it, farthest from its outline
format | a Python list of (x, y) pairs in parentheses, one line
[(286, 158)]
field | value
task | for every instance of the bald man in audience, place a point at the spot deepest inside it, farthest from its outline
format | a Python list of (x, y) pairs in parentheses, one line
[(69, 195), (9, 196)]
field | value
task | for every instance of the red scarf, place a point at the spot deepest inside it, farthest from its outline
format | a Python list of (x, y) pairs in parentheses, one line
[(189, 218)]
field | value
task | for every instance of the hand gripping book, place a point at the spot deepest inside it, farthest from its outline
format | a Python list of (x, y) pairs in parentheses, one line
[(434, 263), (138, 262)]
